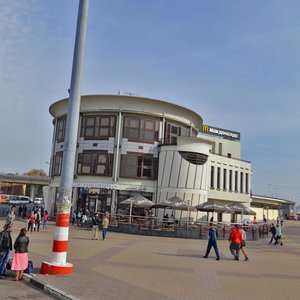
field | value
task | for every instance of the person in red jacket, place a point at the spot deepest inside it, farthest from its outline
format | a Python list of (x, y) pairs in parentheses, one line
[(235, 240)]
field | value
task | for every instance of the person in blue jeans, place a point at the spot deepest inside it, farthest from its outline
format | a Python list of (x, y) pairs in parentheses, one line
[(212, 241), (5, 247), (105, 224)]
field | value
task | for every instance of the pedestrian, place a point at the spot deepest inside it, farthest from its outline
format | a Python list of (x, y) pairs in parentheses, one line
[(105, 224), (5, 247), (38, 218), (45, 220), (31, 222), (73, 217), (78, 218), (20, 211), (24, 212), (83, 219), (273, 232), (243, 244), (212, 241), (278, 236), (11, 216), (95, 228), (20, 258), (281, 221), (235, 240), (277, 220)]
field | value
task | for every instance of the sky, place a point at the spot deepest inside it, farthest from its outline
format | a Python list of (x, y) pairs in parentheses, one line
[(235, 63)]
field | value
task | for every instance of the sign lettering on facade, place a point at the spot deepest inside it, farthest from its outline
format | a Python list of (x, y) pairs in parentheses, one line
[(224, 133)]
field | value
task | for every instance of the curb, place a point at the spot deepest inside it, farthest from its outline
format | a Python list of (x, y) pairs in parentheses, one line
[(47, 288)]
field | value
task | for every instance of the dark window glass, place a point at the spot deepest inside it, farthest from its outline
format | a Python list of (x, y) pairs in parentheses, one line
[(242, 182), (139, 166), (97, 127), (57, 163), (218, 178), (224, 179), (236, 181), (140, 130), (97, 163), (212, 174), (172, 131), (230, 180), (60, 130)]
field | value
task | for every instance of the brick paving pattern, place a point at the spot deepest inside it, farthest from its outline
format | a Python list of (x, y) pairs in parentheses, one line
[(139, 267)]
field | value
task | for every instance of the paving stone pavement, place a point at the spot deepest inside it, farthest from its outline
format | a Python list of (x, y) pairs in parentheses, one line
[(141, 267)]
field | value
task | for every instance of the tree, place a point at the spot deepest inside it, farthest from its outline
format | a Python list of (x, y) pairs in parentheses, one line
[(36, 172)]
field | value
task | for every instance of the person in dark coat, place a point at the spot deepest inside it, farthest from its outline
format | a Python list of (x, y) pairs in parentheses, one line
[(5, 247), (273, 232), (212, 241)]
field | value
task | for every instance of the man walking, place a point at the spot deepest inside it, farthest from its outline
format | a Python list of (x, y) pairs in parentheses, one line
[(273, 232), (235, 240), (5, 247), (212, 241)]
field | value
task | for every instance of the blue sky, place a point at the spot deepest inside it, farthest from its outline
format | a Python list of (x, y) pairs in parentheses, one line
[(236, 63)]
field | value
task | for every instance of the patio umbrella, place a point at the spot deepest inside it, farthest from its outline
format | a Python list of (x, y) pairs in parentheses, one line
[(138, 201), (241, 209), (214, 207), (174, 203)]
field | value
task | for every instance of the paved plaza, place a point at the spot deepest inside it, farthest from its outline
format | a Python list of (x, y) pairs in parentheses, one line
[(139, 267)]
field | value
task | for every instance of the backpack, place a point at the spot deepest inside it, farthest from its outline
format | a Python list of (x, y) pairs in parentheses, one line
[(29, 268)]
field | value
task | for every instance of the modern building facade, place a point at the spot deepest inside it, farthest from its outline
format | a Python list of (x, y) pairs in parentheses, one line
[(133, 145)]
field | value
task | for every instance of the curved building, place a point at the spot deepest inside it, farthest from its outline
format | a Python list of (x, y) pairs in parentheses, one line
[(129, 145)]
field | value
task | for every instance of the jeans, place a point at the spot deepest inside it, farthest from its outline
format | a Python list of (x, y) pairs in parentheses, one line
[(45, 225), (3, 261), (104, 233), (234, 249), (212, 244), (272, 238)]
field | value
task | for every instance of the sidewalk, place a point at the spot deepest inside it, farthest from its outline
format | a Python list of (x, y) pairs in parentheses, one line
[(138, 267)]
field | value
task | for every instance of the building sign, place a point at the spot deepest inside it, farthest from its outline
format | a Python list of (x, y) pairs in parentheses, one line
[(109, 186), (223, 133)]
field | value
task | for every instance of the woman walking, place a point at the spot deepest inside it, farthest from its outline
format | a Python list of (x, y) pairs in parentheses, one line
[(243, 244), (45, 220), (20, 258)]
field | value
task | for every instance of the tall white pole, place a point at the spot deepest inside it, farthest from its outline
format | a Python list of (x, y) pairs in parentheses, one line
[(57, 263)]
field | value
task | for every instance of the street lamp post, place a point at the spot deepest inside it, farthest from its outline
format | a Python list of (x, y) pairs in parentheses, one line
[(57, 264)]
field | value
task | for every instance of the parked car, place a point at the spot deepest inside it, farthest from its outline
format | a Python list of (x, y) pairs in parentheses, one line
[(293, 218)]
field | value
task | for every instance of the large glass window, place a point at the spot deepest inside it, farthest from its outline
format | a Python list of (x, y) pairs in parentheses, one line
[(97, 127), (57, 163), (230, 180), (218, 178), (212, 174), (247, 183), (224, 179), (173, 131), (139, 129), (98, 163), (60, 130), (236, 184), (139, 166), (242, 182)]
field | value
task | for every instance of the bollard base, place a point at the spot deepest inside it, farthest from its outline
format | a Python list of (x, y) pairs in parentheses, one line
[(54, 269)]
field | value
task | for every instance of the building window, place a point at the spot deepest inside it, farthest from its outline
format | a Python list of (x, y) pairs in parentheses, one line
[(140, 130), (212, 177), (97, 127), (97, 163), (236, 181), (139, 166), (230, 180), (220, 149), (194, 158), (60, 130), (173, 131), (57, 163), (242, 182), (218, 178), (213, 148), (247, 183), (224, 179)]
